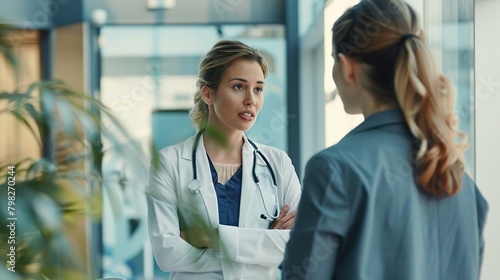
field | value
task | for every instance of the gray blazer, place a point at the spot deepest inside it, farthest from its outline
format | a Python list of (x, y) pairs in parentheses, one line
[(361, 215)]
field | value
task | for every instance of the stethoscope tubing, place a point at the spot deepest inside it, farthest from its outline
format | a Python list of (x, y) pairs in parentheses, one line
[(195, 190)]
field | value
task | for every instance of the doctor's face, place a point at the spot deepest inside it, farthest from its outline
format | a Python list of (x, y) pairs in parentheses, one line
[(239, 97)]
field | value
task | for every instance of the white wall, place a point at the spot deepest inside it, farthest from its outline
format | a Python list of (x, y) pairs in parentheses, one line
[(487, 45)]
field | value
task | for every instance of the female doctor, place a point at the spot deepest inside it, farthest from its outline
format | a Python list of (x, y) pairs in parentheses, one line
[(223, 209)]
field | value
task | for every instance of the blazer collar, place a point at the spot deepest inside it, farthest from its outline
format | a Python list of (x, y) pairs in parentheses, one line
[(187, 148), (388, 117)]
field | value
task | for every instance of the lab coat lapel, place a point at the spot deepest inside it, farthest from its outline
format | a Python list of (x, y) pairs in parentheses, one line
[(207, 188), (248, 187)]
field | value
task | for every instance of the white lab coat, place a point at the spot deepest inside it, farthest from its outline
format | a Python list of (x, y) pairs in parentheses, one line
[(249, 251)]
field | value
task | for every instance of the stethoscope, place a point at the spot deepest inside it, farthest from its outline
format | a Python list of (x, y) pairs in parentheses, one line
[(195, 185)]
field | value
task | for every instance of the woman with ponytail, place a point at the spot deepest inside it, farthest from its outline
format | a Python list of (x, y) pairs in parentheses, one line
[(391, 200), (221, 206)]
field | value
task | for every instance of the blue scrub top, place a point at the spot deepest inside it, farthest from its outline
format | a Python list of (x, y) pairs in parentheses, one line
[(228, 196)]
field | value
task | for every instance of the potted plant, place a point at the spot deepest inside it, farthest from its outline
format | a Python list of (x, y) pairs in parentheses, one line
[(44, 198)]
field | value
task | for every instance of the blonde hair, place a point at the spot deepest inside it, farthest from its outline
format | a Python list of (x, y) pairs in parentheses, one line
[(212, 68), (386, 38)]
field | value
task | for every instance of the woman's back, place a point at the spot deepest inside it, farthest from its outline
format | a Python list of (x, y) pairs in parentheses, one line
[(395, 230), (391, 200)]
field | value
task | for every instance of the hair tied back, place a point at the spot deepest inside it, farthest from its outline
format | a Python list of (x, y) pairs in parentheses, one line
[(405, 37)]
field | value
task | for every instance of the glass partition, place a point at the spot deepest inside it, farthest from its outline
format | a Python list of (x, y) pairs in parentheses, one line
[(450, 28), (337, 122)]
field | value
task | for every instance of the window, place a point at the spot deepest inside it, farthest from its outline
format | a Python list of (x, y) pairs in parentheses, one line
[(449, 26)]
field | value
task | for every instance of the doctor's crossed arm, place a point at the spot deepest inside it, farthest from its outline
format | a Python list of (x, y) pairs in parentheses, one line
[(202, 238), (262, 246), (171, 252)]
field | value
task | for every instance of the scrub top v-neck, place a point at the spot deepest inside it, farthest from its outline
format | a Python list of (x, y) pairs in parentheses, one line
[(228, 196)]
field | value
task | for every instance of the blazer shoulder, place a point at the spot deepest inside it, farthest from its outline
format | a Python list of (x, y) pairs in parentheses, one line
[(335, 152)]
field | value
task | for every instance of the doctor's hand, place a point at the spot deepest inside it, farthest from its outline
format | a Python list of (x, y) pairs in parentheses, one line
[(201, 237), (285, 220)]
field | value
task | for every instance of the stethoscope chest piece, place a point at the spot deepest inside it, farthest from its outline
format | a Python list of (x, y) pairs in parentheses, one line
[(194, 186)]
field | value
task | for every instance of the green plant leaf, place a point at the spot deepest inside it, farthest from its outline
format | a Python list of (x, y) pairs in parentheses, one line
[(6, 48), (75, 119), (39, 120), (66, 116), (41, 165), (217, 135), (18, 114)]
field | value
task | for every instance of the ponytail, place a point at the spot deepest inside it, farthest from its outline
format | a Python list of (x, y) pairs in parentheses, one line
[(399, 69), (427, 98), (199, 112)]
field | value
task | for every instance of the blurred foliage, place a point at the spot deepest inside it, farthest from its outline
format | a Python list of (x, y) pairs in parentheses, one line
[(52, 192)]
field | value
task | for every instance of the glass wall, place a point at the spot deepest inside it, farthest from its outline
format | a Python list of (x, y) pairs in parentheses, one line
[(450, 28), (337, 122), (148, 79)]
